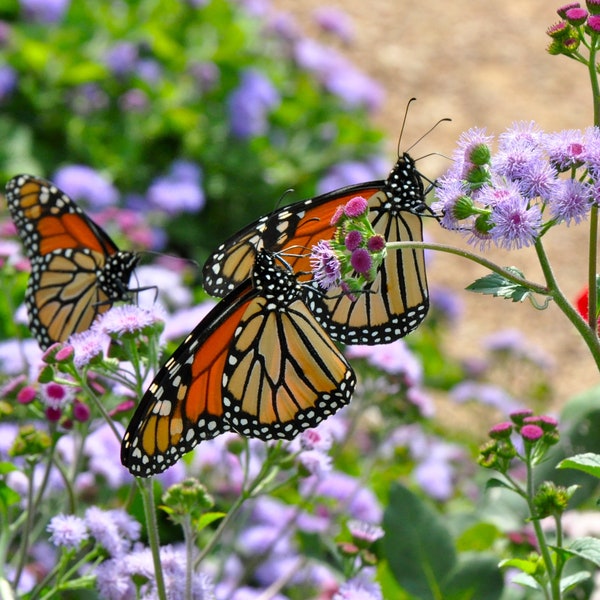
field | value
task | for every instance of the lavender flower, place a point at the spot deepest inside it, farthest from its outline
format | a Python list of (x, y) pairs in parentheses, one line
[(103, 526), (88, 345), (122, 58), (572, 201), (128, 319), (68, 531), (336, 21), (358, 589), (44, 11), (350, 172), (84, 183), (364, 531), (179, 191), (502, 199), (250, 103), (515, 223), (326, 265), (8, 81)]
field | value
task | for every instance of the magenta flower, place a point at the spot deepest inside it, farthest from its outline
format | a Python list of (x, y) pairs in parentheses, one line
[(361, 261), (501, 431), (355, 207), (353, 240), (531, 433)]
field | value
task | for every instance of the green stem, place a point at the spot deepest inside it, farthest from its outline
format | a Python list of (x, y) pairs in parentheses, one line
[(539, 533), (551, 288), (484, 262), (589, 335), (592, 271), (146, 489), (591, 64)]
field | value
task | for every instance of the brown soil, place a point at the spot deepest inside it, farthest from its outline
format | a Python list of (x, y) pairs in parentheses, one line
[(482, 64)]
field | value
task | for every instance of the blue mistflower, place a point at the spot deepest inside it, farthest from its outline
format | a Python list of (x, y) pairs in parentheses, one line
[(515, 225), (68, 531), (572, 201), (84, 183), (250, 103)]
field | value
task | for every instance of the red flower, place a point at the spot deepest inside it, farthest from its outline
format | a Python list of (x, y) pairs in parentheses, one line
[(582, 303)]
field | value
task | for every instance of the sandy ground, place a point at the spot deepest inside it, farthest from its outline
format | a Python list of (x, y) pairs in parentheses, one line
[(481, 64)]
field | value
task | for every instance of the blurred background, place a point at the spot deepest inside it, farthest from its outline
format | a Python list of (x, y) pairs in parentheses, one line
[(197, 116)]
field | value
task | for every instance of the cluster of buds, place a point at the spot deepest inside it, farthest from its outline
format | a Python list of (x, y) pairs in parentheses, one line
[(351, 259), (577, 23), (536, 433)]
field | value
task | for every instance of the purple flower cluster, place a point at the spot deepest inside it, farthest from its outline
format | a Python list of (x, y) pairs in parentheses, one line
[(81, 182), (178, 191), (352, 257), (534, 181), (250, 104)]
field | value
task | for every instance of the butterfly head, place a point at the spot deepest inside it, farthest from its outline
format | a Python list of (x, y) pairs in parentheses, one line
[(404, 186)]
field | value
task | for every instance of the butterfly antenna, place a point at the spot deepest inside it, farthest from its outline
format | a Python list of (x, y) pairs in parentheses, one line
[(445, 119), (404, 123)]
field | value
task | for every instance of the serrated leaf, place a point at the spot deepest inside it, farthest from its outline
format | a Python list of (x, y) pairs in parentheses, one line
[(586, 547), (589, 462), (417, 545), (497, 285)]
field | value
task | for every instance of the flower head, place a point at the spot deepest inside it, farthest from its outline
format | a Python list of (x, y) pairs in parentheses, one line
[(515, 223), (84, 183), (325, 265), (128, 319), (88, 345), (68, 531), (250, 104)]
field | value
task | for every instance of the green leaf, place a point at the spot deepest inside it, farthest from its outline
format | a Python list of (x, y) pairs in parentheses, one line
[(6, 467), (8, 496), (477, 577), (207, 518), (526, 581), (588, 462), (417, 545), (566, 583), (496, 285), (527, 566), (586, 547), (493, 482)]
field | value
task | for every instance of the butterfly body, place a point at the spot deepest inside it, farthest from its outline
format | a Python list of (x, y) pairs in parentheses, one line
[(258, 364), (77, 271), (391, 306)]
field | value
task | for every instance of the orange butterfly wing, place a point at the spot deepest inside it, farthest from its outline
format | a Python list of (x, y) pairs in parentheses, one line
[(259, 363), (390, 307), (77, 271)]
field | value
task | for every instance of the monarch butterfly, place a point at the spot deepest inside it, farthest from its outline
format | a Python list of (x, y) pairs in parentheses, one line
[(259, 363), (391, 306), (77, 272)]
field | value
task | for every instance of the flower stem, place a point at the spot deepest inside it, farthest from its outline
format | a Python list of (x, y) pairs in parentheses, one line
[(147, 492), (551, 288)]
